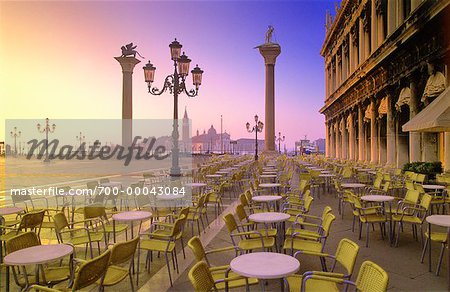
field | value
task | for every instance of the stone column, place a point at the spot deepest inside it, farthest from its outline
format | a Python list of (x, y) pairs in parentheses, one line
[(447, 151), (344, 61), (351, 137), (327, 140), (344, 138), (380, 24), (326, 81), (351, 54), (333, 76), (390, 132), (336, 139), (402, 145), (391, 16), (361, 41), (414, 137), (415, 4), (373, 26), (270, 52), (333, 140), (338, 69), (373, 133), (400, 13), (360, 133), (127, 64), (429, 147)]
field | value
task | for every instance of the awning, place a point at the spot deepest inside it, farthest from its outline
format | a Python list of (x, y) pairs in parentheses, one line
[(434, 118)]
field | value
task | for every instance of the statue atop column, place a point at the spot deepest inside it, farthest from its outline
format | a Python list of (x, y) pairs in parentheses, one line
[(436, 83), (130, 50), (269, 34)]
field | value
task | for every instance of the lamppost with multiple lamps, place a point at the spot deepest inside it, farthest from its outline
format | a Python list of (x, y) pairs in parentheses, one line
[(15, 135), (46, 129), (175, 84), (279, 140), (257, 128)]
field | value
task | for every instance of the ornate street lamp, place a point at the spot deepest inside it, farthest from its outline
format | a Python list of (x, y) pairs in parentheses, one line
[(279, 140), (46, 129), (257, 128), (175, 84), (15, 135)]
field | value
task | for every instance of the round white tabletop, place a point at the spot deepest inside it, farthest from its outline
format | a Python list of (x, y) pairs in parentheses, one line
[(353, 185), (266, 198), (377, 198), (222, 172), (433, 187), (132, 216), (196, 185), (269, 185), (265, 265), (10, 210), (39, 254), (440, 220), (213, 175), (269, 217), (327, 175)]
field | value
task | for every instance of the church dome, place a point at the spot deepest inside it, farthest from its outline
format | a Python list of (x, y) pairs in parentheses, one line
[(212, 131)]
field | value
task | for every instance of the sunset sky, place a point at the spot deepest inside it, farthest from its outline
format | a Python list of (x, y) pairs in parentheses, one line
[(56, 61)]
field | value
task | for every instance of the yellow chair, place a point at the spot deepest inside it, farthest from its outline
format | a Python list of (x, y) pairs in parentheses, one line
[(120, 253), (53, 275), (299, 226), (346, 254), (99, 213), (88, 273), (440, 237), (160, 243), (371, 277), (246, 243), (195, 214), (217, 272), (413, 215), (202, 280), (79, 235), (310, 245)]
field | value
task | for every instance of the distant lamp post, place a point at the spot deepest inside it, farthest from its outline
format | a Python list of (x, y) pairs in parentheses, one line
[(279, 140), (257, 128), (15, 134), (46, 129), (80, 138), (175, 84)]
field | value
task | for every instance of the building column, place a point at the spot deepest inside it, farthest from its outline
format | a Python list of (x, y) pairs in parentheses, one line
[(333, 140), (344, 61), (390, 132), (400, 13), (415, 4), (360, 133), (344, 138), (350, 54), (391, 16), (351, 137), (336, 139), (338, 69), (327, 140), (414, 137), (447, 151), (333, 76), (327, 81), (361, 42), (381, 10), (373, 133), (373, 26)]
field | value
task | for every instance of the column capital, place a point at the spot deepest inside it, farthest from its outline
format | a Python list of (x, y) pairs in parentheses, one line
[(270, 53), (127, 63)]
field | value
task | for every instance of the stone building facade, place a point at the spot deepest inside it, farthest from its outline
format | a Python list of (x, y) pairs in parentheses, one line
[(385, 61)]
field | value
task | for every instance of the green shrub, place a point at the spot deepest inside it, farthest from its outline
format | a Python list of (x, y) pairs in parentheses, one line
[(428, 168)]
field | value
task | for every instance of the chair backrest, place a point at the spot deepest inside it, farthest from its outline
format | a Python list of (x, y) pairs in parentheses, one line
[(325, 211), (94, 212), (197, 248), (178, 226), (240, 212), (123, 251), (409, 185), (230, 222), (21, 241), (91, 271), (104, 180), (201, 278), (425, 202), (412, 196), (92, 185), (32, 220), (326, 224), (307, 203), (377, 183), (371, 277), (60, 221), (420, 178), (184, 211), (386, 186), (346, 254), (243, 200)]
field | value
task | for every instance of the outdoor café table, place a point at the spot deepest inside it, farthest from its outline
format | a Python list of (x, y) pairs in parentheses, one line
[(327, 177), (325, 171), (433, 187), (382, 199), (443, 221), (270, 177), (270, 185), (267, 200), (357, 186), (129, 216), (36, 255), (265, 266), (196, 185), (272, 218), (213, 175)]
